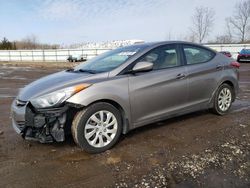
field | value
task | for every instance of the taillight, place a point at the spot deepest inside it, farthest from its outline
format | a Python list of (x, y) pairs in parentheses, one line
[(235, 64)]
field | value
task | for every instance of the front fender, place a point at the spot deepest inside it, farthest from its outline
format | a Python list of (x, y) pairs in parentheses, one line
[(115, 89)]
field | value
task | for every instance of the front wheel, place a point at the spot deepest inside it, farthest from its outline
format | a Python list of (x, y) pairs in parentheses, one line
[(223, 99), (97, 128)]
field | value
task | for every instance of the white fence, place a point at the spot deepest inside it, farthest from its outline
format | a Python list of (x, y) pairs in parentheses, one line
[(63, 54), (47, 55), (232, 48)]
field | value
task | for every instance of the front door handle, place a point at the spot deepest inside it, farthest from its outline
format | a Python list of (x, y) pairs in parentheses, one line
[(180, 76)]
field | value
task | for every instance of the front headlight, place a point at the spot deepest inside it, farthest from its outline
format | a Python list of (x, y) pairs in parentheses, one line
[(57, 97)]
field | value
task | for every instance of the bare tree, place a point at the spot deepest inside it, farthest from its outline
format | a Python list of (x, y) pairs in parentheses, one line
[(29, 42), (229, 30), (223, 39), (190, 37), (227, 37), (240, 19), (203, 20)]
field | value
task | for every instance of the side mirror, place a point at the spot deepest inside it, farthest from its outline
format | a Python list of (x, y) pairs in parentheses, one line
[(142, 66)]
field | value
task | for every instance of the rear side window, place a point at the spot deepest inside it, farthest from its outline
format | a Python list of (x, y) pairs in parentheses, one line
[(195, 55)]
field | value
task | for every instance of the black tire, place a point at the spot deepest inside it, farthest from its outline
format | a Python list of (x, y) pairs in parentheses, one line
[(79, 123), (216, 109)]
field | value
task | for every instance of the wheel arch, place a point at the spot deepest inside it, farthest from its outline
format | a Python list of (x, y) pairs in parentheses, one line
[(230, 83), (226, 81)]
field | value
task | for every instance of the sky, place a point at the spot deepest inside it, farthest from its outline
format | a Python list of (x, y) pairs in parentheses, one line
[(78, 21)]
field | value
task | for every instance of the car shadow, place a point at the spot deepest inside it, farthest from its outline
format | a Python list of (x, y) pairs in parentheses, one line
[(69, 141), (163, 123)]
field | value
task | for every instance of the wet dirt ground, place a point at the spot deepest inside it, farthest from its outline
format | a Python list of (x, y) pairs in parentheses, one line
[(196, 150)]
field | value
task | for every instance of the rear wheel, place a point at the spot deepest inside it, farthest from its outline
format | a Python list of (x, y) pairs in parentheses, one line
[(223, 99), (97, 128)]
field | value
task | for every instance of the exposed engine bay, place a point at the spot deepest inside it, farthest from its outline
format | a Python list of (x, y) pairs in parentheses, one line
[(47, 125)]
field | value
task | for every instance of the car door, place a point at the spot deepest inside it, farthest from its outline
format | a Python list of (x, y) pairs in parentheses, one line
[(161, 91), (202, 74)]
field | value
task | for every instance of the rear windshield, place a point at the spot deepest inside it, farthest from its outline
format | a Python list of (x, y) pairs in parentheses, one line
[(245, 51)]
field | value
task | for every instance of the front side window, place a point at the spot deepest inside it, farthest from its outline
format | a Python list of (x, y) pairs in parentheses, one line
[(196, 55), (163, 57)]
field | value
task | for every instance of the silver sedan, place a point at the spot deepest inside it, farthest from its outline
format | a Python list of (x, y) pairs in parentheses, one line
[(123, 89)]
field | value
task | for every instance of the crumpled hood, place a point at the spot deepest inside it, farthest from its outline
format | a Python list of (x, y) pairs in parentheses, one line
[(55, 82)]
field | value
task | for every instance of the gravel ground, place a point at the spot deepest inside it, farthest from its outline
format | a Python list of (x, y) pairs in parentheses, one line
[(195, 150)]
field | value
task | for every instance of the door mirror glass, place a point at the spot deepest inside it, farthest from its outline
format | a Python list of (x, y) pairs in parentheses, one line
[(142, 66)]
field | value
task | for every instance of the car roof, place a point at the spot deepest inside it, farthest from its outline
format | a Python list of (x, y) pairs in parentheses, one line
[(159, 43)]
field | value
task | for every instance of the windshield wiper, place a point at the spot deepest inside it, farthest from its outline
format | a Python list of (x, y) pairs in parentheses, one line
[(81, 70), (86, 70), (70, 70)]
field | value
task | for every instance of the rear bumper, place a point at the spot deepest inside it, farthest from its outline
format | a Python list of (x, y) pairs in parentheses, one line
[(243, 59)]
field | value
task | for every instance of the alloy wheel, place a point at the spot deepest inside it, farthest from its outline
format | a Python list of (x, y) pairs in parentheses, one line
[(101, 128), (224, 99)]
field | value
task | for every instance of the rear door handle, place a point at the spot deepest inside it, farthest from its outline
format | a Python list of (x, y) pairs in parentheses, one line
[(180, 76), (218, 67)]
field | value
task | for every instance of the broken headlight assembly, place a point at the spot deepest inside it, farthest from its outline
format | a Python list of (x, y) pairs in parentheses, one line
[(58, 97)]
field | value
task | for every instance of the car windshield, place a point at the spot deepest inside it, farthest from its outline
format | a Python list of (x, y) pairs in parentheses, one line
[(109, 60), (245, 51)]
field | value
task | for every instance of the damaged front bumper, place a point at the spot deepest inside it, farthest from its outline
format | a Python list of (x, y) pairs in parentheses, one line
[(43, 125)]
